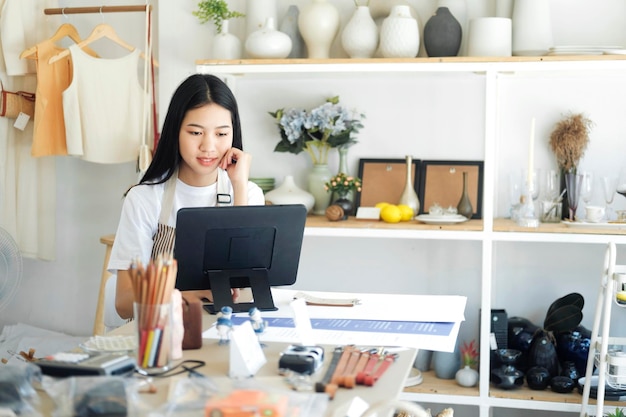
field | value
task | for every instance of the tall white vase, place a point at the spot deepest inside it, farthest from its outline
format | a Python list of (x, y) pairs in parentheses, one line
[(257, 12), (360, 35), (399, 34), (532, 27), (319, 24), (225, 45)]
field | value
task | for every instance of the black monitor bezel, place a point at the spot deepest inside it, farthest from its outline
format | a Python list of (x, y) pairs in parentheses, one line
[(192, 224)]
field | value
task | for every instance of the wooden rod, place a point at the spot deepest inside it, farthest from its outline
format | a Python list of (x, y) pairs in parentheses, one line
[(97, 9)]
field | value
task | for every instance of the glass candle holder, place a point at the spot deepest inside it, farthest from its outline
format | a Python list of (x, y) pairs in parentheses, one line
[(154, 337)]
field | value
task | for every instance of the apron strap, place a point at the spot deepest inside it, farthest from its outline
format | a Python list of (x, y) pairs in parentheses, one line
[(223, 189)]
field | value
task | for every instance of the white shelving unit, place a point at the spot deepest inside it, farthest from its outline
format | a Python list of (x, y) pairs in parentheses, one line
[(490, 231)]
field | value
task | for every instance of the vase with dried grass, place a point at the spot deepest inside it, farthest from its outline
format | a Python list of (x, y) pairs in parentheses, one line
[(568, 141)]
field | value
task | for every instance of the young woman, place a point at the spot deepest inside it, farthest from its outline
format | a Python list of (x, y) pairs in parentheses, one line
[(199, 162)]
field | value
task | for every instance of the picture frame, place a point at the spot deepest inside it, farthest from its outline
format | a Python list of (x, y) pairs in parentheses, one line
[(441, 182), (384, 180)]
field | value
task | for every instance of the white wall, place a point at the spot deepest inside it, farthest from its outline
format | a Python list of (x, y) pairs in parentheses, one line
[(441, 118)]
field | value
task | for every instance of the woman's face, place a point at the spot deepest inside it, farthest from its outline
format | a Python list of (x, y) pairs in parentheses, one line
[(206, 134)]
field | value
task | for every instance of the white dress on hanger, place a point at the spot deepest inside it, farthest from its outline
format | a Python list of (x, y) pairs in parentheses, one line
[(104, 108)]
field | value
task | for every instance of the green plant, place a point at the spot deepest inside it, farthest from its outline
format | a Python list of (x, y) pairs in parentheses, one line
[(619, 412), (342, 184), (216, 11), (469, 353)]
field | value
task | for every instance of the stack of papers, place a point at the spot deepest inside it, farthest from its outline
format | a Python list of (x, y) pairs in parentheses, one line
[(429, 322)]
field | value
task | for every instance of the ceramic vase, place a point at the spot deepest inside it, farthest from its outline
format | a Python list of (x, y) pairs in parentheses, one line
[(532, 27), (268, 42), (409, 196), (318, 177), (446, 364), (289, 193), (458, 8), (466, 376), (360, 35), (399, 34), (423, 360), (442, 34), (289, 26), (225, 45), (318, 23), (346, 204), (257, 12), (464, 208)]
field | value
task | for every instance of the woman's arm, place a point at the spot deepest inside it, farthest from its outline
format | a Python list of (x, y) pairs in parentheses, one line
[(124, 296)]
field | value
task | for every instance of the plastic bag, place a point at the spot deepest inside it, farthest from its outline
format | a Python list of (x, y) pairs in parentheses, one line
[(16, 387)]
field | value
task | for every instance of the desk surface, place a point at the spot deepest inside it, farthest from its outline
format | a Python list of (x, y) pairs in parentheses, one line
[(216, 357)]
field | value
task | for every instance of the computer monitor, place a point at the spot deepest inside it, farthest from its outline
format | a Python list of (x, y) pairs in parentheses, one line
[(256, 247)]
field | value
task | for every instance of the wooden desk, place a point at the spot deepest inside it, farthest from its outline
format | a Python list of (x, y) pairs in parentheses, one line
[(216, 357)]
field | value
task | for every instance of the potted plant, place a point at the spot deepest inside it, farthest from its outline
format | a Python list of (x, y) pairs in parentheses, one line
[(342, 185), (468, 376), (618, 413), (216, 11)]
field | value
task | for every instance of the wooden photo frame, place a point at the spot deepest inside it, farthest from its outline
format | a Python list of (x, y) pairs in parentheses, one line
[(383, 180), (441, 182)]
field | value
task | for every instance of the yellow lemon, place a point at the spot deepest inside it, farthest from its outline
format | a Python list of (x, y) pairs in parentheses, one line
[(381, 204), (406, 212), (391, 213)]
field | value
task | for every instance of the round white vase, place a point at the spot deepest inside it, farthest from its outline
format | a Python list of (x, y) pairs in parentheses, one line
[(399, 34), (360, 35), (319, 23), (466, 377), (532, 27), (289, 193), (268, 42), (225, 45), (257, 12)]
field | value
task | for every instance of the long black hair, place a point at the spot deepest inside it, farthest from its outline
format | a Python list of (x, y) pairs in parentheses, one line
[(196, 91)]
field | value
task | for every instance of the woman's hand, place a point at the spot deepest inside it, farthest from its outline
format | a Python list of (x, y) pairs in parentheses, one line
[(237, 163)]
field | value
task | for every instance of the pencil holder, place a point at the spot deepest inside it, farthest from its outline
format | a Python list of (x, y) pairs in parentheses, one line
[(154, 337)]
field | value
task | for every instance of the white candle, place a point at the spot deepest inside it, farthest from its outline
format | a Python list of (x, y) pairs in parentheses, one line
[(531, 152)]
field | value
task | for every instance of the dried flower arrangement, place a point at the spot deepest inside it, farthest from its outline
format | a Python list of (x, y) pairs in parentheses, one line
[(569, 141)]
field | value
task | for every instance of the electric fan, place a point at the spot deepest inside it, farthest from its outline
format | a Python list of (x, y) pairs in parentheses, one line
[(10, 268)]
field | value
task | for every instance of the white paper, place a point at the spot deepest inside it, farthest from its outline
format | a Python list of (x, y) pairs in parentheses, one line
[(303, 328), (422, 313), (246, 353)]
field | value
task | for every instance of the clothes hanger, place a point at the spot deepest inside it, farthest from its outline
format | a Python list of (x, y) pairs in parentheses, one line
[(100, 31), (66, 29)]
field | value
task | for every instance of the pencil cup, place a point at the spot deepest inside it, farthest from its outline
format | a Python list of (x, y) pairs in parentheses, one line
[(154, 337)]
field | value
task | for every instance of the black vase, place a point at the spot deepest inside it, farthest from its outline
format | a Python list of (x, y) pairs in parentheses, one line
[(347, 205), (543, 353), (442, 34)]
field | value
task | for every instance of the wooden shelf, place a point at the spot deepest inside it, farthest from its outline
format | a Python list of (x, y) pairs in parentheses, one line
[(434, 385), (354, 223)]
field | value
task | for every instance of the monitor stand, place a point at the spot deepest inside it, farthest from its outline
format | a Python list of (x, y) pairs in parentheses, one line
[(222, 296)]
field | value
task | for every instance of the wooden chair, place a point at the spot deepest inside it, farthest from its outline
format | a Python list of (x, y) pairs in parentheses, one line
[(98, 325)]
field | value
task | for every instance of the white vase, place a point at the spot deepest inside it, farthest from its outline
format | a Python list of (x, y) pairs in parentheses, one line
[(532, 27), (257, 12), (360, 35), (466, 377), (225, 45), (319, 24), (399, 34), (268, 42), (289, 193)]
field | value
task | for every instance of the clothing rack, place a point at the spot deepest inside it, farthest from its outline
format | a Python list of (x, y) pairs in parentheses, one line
[(97, 9)]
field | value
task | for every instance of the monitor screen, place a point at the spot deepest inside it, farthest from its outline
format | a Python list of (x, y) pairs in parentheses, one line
[(256, 247)]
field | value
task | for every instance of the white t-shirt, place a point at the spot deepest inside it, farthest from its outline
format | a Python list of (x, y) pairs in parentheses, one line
[(140, 217)]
